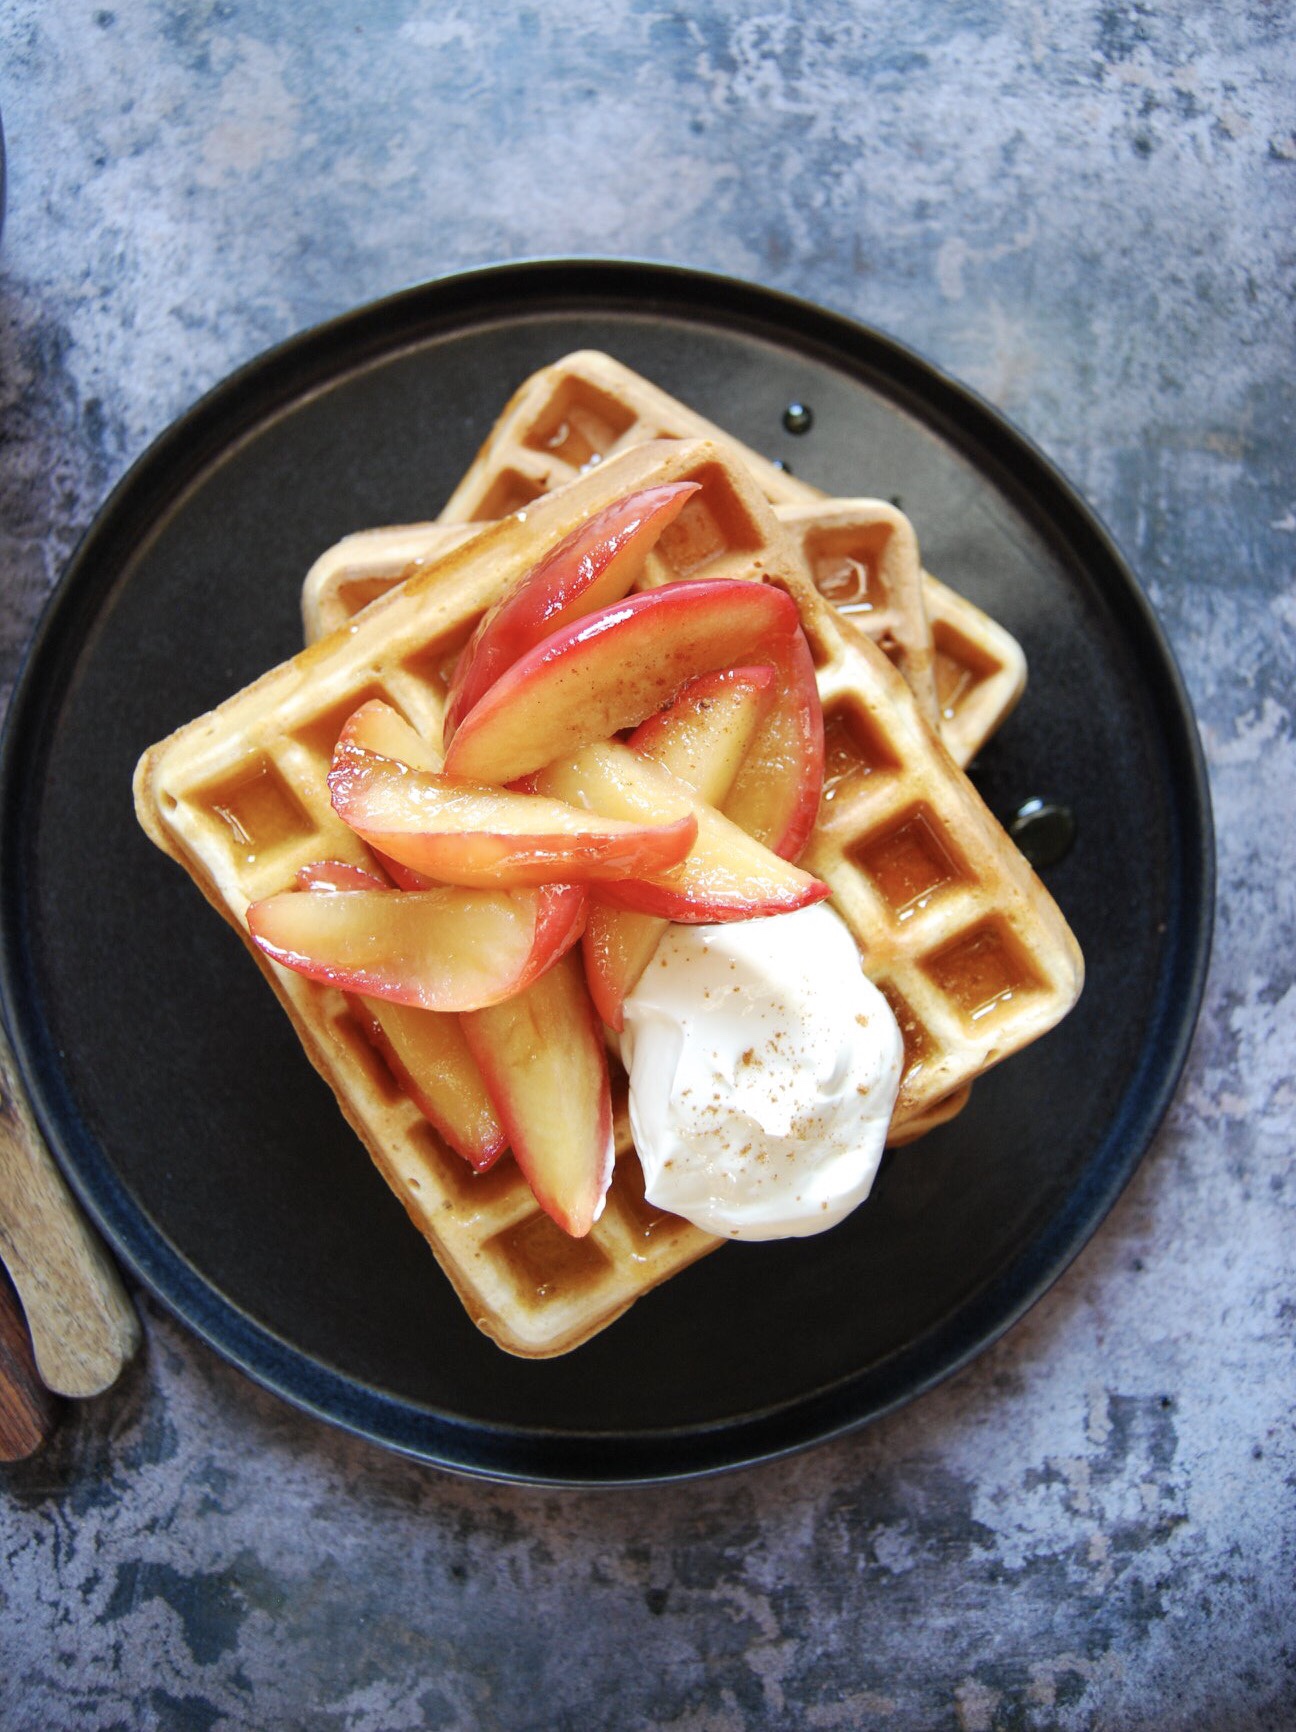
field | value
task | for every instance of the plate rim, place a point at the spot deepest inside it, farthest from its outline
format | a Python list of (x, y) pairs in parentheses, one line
[(249, 396)]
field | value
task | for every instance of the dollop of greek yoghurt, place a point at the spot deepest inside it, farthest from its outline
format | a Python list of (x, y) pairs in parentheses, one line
[(764, 1067)]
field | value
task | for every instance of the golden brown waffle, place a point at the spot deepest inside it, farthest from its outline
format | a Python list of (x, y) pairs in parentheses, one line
[(587, 407), (361, 567), (979, 669), (873, 540), (954, 926), (861, 553), (239, 797), (862, 557)]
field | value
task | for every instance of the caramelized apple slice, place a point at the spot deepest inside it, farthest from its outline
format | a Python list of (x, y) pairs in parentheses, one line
[(378, 728), (702, 738), (430, 1058), (425, 1049), (775, 796), (485, 837), (445, 949), (727, 875), (705, 732), (338, 875), (596, 564), (545, 1063), (610, 670)]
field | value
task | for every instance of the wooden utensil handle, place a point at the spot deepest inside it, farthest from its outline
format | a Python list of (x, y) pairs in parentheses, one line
[(84, 1329), (28, 1412)]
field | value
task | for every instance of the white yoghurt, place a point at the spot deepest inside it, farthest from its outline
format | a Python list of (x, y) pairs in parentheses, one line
[(763, 1071)]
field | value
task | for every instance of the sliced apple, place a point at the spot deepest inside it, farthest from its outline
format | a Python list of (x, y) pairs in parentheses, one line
[(430, 1058), (705, 732), (610, 670), (404, 876), (445, 949), (776, 793), (702, 737), (378, 728), (338, 875), (727, 875), (544, 1061), (424, 1049), (596, 564), (485, 837)]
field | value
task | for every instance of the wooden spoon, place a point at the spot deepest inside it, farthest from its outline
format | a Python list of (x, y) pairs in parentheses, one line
[(28, 1412), (84, 1329)]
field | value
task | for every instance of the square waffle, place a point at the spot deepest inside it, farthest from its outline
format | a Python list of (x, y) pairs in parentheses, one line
[(861, 554), (977, 959), (361, 567), (587, 407)]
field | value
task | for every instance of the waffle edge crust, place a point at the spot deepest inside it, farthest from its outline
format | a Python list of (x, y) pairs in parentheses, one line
[(951, 922)]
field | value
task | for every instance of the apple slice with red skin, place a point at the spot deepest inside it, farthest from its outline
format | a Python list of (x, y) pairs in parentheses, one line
[(446, 949), (544, 1060), (612, 669), (425, 1050), (726, 875), (702, 738), (428, 1054), (484, 837), (776, 793), (705, 733), (378, 728), (381, 730), (596, 564), (338, 875)]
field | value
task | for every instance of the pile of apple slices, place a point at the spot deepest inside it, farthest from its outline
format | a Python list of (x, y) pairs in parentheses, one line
[(611, 762)]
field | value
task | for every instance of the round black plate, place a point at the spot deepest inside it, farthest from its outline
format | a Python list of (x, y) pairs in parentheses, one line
[(171, 1085)]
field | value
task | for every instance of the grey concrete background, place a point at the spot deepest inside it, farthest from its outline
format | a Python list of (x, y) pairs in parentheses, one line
[(1085, 210)]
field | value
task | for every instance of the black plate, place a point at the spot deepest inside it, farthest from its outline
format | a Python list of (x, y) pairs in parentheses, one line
[(171, 1085)]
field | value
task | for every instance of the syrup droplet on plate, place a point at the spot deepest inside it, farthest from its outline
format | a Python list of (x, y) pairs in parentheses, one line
[(798, 418), (1044, 830)]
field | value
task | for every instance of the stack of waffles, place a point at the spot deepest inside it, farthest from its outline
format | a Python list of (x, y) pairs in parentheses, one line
[(951, 922)]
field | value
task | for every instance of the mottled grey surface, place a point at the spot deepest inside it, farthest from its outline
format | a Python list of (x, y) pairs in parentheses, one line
[(1085, 210)]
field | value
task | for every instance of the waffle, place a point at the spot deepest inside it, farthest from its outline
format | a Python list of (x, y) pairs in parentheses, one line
[(588, 407), (862, 557), (862, 550), (362, 567), (862, 554), (976, 964)]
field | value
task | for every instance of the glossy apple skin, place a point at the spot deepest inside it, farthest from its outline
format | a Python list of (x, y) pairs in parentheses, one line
[(702, 737), (378, 729), (338, 875), (596, 564), (545, 1064), (425, 1050), (428, 1054), (447, 949), (727, 875), (776, 793), (486, 837), (612, 669)]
